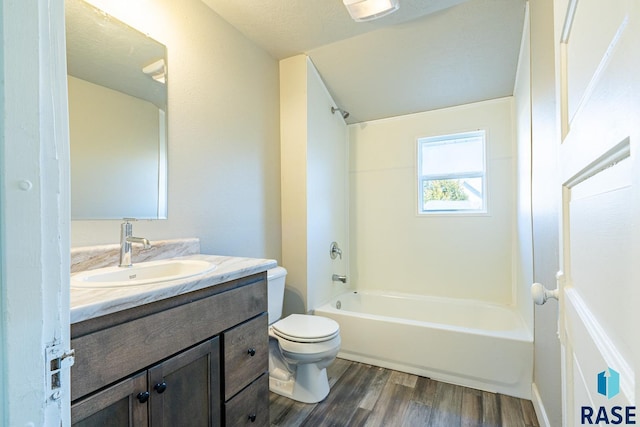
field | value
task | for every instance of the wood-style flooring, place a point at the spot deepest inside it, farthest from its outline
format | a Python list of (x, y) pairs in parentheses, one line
[(365, 395)]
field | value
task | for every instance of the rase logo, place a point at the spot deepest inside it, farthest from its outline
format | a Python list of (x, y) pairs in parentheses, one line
[(608, 383)]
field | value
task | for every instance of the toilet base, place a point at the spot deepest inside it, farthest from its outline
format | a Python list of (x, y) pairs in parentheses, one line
[(308, 385)]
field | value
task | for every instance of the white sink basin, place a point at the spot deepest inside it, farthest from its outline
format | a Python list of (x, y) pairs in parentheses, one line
[(143, 273)]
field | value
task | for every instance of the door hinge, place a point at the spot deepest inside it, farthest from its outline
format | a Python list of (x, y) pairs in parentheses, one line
[(57, 359)]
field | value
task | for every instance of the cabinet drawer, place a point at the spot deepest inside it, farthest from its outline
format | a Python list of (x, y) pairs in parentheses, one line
[(251, 406), (246, 354)]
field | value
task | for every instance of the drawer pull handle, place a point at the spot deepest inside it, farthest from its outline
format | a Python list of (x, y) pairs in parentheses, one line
[(252, 352), (160, 387), (143, 396), (252, 418)]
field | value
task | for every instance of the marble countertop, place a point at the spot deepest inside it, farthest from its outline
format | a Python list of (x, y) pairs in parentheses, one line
[(90, 303)]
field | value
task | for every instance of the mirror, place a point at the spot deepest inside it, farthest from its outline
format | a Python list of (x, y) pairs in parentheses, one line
[(117, 117)]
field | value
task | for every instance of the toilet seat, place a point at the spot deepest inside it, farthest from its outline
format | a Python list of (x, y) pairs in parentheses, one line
[(306, 328)]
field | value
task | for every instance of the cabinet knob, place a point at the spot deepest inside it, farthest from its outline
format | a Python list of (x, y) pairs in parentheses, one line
[(143, 396), (252, 352), (160, 387), (252, 418)]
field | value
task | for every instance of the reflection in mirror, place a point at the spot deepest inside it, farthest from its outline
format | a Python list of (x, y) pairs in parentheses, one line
[(117, 117)]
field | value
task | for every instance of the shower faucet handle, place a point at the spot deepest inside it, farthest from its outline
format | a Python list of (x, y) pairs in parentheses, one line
[(335, 251)]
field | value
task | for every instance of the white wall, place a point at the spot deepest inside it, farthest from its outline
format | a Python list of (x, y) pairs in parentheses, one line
[(293, 165), (223, 117), (314, 186), (393, 248)]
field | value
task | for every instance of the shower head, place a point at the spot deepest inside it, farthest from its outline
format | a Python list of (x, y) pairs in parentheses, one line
[(344, 114)]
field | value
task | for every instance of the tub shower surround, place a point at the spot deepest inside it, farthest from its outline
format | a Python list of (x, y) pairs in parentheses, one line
[(92, 257), (471, 343)]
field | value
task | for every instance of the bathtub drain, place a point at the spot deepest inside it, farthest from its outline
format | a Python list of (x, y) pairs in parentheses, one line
[(338, 305)]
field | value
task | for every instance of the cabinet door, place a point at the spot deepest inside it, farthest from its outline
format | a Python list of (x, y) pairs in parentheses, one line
[(185, 389), (117, 406)]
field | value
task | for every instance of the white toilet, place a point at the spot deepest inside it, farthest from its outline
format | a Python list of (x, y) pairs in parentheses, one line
[(301, 347)]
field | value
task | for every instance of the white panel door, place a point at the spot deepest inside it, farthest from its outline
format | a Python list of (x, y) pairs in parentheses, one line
[(34, 216), (598, 51)]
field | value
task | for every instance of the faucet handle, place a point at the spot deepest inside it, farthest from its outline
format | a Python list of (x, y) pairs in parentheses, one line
[(129, 219), (335, 251)]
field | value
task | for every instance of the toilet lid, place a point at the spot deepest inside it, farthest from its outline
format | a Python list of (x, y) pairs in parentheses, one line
[(306, 328)]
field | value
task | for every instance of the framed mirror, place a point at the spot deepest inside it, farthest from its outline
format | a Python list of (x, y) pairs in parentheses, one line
[(117, 80)]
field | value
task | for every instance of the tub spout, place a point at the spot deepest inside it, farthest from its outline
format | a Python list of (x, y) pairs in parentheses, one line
[(337, 278)]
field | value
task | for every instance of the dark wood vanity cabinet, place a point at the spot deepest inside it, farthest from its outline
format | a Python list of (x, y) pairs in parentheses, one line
[(198, 359)]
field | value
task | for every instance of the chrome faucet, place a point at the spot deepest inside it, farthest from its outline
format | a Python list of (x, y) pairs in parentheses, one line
[(126, 238), (338, 278), (335, 251)]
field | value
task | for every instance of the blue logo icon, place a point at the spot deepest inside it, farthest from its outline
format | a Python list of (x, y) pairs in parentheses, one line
[(609, 383)]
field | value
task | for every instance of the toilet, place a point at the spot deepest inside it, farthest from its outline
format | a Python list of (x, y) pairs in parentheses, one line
[(301, 347)]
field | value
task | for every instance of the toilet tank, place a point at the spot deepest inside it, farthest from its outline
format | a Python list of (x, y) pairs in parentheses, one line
[(275, 292)]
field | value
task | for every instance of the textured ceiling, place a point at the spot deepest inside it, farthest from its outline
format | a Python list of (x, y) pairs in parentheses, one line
[(288, 27), (430, 54)]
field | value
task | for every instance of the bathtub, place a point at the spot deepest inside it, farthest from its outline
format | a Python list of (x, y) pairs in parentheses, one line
[(470, 343)]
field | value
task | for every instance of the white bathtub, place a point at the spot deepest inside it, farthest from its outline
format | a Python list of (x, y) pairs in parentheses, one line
[(475, 344)]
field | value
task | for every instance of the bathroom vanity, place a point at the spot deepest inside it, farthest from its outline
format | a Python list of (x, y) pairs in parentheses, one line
[(186, 352)]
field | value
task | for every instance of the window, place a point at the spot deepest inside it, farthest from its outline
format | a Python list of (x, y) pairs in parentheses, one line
[(451, 174)]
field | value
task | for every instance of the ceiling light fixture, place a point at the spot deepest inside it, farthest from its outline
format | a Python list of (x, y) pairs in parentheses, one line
[(157, 70), (368, 10)]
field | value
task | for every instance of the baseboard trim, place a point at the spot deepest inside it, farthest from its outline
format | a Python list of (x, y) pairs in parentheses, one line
[(538, 406)]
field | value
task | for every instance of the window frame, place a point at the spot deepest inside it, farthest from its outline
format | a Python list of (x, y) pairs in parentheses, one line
[(420, 178)]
